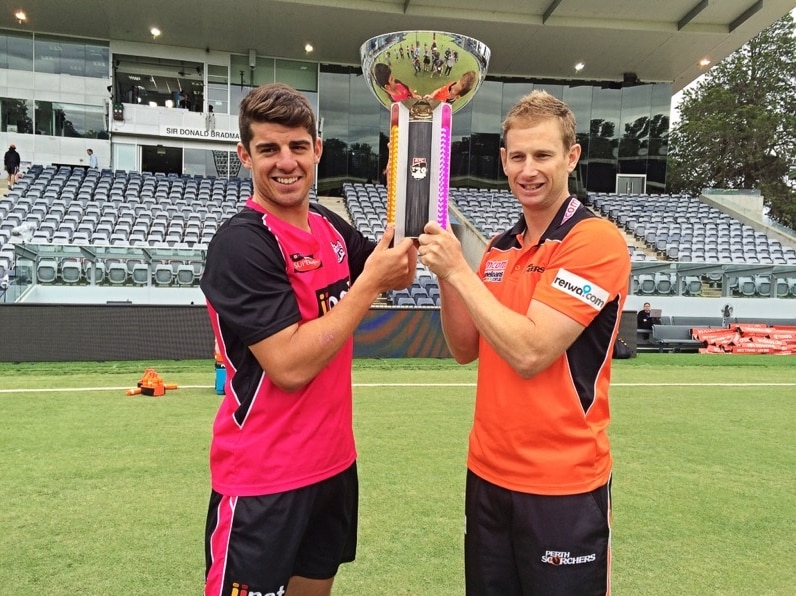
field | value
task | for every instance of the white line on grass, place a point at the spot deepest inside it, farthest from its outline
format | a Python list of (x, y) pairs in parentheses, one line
[(75, 389)]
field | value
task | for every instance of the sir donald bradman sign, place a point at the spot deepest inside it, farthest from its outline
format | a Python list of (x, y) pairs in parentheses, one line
[(186, 132)]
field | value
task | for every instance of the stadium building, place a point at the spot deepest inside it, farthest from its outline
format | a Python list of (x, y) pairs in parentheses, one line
[(153, 88), (137, 83)]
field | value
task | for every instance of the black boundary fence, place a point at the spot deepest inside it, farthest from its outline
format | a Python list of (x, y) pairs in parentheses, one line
[(107, 332)]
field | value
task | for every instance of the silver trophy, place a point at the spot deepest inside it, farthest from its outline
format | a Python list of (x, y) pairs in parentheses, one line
[(422, 77)]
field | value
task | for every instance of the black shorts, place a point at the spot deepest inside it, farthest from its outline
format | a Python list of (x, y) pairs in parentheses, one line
[(518, 544), (261, 542)]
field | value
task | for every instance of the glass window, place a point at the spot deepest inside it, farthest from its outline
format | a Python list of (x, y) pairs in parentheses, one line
[(70, 120), (578, 98), (16, 51), (299, 75), (97, 61), (603, 141), (363, 132), (236, 94), (486, 116), (607, 122), (66, 56), (218, 88), (244, 75), (512, 93), (661, 101), (334, 92), (484, 164), (124, 157), (73, 59), (634, 129), (158, 81), (48, 55), (16, 115)]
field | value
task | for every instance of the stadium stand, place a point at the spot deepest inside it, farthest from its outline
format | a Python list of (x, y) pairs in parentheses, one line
[(366, 205), (62, 205), (141, 228)]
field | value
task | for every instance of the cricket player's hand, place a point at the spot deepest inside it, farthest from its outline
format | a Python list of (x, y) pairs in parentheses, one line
[(441, 251), (391, 267)]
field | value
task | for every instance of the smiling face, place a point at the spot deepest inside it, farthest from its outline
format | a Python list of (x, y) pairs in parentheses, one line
[(282, 160), (537, 164)]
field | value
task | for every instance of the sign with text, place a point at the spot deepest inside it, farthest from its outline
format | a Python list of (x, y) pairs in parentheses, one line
[(186, 132)]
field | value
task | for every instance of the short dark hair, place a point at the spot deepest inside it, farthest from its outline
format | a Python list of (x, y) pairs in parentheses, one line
[(277, 103), (382, 72)]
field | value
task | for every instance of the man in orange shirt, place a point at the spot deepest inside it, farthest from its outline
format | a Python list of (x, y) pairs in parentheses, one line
[(541, 316), (450, 92)]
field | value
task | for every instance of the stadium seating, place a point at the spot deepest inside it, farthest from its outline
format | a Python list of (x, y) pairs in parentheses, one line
[(696, 231), (71, 271), (117, 273), (173, 215), (47, 271), (367, 208)]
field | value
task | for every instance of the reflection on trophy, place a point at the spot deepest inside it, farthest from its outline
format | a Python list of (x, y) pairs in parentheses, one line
[(422, 77)]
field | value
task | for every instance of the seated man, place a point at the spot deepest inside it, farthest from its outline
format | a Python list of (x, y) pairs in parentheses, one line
[(645, 320)]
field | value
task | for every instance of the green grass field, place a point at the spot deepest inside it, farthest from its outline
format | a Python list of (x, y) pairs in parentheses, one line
[(106, 494)]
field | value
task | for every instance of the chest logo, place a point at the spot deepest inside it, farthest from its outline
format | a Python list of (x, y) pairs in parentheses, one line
[(494, 270), (339, 250), (304, 263)]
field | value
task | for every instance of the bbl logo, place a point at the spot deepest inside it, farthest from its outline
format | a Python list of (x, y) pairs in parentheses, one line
[(419, 168)]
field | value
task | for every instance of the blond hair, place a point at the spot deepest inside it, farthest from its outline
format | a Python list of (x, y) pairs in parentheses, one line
[(540, 105)]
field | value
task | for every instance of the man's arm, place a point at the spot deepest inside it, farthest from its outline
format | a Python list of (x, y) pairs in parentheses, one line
[(460, 332), (528, 342), (293, 356)]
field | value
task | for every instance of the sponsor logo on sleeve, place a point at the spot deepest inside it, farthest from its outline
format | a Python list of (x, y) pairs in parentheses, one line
[(580, 288)]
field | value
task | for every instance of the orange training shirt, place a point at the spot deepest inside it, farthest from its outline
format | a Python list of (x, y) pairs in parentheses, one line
[(547, 435)]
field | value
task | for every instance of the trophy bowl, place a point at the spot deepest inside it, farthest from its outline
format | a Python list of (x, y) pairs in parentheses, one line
[(424, 65), (422, 77)]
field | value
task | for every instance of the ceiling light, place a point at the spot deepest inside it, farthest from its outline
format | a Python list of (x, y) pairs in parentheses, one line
[(704, 62), (21, 16), (579, 66), (155, 32), (308, 48)]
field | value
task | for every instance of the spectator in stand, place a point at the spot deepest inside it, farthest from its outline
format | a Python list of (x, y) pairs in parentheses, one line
[(645, 320), (92, 160), (12, 162)]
